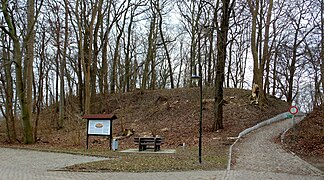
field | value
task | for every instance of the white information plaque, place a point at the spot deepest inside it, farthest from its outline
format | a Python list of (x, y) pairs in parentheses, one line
[(99, 127)]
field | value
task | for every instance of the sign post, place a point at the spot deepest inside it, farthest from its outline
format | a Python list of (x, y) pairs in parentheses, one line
[(293, 111), (99, 125)]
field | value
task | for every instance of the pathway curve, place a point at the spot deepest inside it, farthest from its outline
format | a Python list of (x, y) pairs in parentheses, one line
[(258, 155)]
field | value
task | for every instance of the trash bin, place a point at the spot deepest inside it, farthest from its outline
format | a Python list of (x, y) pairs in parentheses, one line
[(114, 144)]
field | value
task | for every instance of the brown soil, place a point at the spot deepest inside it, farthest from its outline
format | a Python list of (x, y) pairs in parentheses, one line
[(172, 114), (307, 138)]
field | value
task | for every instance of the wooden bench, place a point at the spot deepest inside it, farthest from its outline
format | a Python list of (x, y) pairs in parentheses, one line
[(148, 143)]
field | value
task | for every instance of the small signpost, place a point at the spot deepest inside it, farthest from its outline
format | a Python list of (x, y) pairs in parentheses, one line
[(99, 125), (293, 111)]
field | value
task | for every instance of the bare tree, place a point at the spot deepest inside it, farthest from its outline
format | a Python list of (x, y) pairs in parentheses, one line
[(260, 57), (23, 64), (239, 34), (116, 55), (322, 42), (158, 9), (7, 91), (41, 70), (151, 52), (191, 13), (227, 7), (300, 33)]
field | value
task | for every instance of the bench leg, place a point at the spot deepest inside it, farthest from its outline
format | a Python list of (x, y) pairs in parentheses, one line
[(155, 148), (142, 148), (139, 145)]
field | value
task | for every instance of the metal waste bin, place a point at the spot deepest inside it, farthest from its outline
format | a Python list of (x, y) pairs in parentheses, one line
[(114, 144)]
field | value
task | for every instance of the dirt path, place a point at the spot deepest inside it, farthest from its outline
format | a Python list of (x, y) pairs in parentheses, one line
[(257, 153)]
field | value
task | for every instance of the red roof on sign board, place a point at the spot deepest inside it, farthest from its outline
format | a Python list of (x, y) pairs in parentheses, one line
[(100, 116)]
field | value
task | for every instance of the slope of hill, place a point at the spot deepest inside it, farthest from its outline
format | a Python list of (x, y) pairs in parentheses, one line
[(307, 139), (172, 114)]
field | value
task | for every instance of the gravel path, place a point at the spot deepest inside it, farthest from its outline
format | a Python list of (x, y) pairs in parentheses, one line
[(257, 152), (256, 155)]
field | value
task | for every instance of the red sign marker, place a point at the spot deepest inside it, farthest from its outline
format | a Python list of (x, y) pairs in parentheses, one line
[(293, 110)]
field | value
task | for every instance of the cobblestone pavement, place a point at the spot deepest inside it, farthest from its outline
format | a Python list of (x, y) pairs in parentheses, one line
[(257, 157), (258, 153), (23, 164)]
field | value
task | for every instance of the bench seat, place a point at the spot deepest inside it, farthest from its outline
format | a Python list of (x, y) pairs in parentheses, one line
[(148, 143)]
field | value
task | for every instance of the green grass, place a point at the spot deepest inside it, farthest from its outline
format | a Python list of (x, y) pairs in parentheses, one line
[(182, 160), (213, 158)]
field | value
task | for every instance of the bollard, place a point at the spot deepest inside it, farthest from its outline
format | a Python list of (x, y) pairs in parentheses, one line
[(114, 144)]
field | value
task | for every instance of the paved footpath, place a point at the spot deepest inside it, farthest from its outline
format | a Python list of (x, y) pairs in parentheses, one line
[(257, 157), (18, 164)]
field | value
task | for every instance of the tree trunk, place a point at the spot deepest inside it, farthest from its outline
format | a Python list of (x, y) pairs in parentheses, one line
[(57, 28), (259, 60), (181, 64), (116, 57), (153, 79), (85, 25), (39, 101), (165, 48), (62, 66), (104, 68), (211, 49), (292, 68), (80, 80), (21, 93), (87, 49), (150, 54), (47, 88), (243, 68), (24, 71), (322, 42), (95, 53), (229, 68), (274, 73), (81, 57), (7, 82), (220, 66), (128, 53), (266, 55), (254, 47)]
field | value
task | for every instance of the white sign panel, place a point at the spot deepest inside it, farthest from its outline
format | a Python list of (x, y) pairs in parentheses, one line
[(99, 127)]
